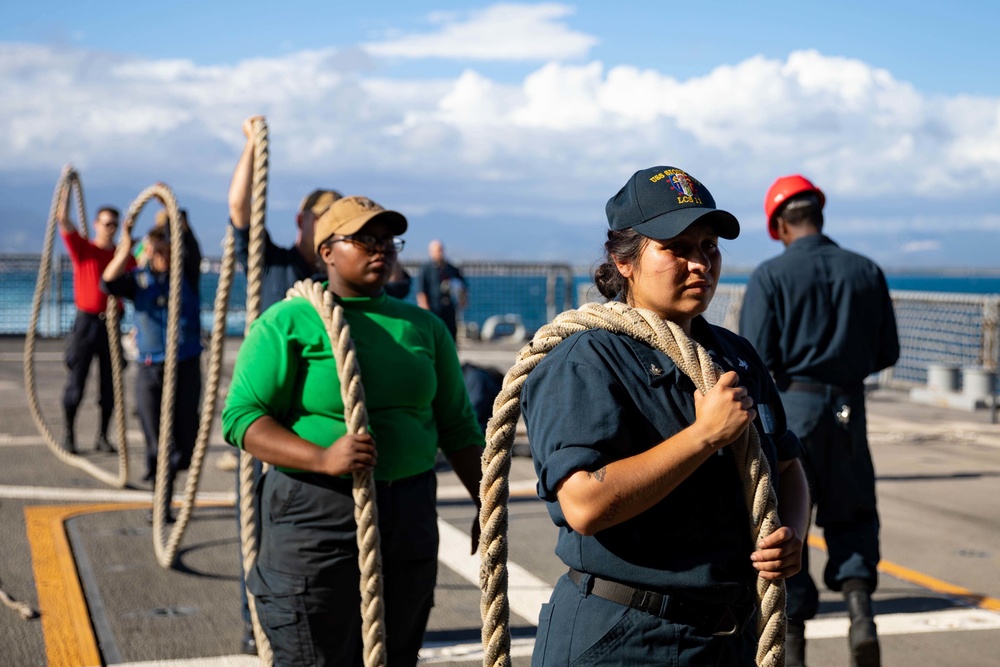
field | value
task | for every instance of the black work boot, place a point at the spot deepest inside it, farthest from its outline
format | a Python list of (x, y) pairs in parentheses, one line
[(102, 444), (795, 644), (69, 439), (862, 637)]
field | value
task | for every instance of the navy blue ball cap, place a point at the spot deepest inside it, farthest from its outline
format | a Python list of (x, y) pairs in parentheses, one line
[(661, 202)]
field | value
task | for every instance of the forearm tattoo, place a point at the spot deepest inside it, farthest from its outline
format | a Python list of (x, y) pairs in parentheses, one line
[(599, 474)]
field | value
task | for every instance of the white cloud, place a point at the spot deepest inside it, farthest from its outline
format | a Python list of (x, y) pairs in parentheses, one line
[(555, 145), (500, 32), (921, 246)]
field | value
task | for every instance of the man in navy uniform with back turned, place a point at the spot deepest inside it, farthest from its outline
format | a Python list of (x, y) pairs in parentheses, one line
[(822, 320)]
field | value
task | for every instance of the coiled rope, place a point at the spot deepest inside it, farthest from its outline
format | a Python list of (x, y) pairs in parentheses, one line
[(249, 538), (166, 544), (69, 181), (695, 362), (352, 392)]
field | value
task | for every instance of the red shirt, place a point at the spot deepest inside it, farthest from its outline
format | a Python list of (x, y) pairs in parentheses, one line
[(89, 263)]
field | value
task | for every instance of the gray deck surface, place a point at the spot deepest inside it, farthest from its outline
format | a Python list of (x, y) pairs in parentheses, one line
[(939, 476)]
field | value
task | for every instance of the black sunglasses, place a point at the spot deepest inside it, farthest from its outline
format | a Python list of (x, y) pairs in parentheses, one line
[(373, 244)]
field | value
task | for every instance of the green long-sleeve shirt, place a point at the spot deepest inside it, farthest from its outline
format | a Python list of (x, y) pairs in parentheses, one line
[(414, 392)]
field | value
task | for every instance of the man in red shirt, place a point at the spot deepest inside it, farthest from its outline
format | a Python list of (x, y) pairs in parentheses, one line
[(89, 336)]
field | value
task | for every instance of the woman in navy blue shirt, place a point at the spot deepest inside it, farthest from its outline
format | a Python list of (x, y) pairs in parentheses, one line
[(148, 288), (634, 463)]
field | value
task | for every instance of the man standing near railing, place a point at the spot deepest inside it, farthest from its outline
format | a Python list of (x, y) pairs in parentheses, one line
[(442, 289), (89, 337), (822, 320)]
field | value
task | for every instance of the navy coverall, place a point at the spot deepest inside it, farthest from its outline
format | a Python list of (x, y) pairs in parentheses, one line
[(442, 284), (822, 320), (599, 397)]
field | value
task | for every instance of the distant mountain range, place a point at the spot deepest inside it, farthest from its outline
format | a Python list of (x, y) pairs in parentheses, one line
[(24, 209)]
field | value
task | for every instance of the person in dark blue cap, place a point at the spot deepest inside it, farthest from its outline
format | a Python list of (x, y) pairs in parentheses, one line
[(634, 464)]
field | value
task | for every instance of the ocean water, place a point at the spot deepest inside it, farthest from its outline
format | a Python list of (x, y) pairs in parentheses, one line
[(523, 296), (957, 284)]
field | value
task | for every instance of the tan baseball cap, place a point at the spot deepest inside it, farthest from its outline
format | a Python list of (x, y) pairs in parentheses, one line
[(319, 200), (349, 214), (163, 218)]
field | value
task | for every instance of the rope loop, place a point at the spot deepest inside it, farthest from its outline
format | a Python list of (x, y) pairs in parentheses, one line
[(694, 360), (249, 534), (68, 185)]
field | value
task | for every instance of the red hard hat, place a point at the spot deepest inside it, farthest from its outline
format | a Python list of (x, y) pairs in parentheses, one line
[(781, 191)]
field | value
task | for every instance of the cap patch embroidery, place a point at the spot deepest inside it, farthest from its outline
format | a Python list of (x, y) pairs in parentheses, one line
[(682, 184), (366, 204)]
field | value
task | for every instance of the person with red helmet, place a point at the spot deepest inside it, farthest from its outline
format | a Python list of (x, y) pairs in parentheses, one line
[(822, 320)]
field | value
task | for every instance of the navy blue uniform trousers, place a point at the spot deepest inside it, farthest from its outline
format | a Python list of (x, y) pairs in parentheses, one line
[(841, 477), (306, 580), (88, 339), (187, 400), (578, 628)]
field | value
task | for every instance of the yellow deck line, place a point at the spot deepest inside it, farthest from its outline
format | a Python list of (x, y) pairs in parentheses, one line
[(69, 636), (924, 580)]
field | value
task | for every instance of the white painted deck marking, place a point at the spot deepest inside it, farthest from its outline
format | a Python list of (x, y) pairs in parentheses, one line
[(8, 440), (525, 591), (435, 654), (99, 495), (39, 356), (947, 620), (217, 661)]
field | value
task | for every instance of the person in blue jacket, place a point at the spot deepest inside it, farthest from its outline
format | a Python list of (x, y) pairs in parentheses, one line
[(634, 464), (148, 287)]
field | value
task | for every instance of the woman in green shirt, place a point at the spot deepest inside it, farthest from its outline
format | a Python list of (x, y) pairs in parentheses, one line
[(284, 407)]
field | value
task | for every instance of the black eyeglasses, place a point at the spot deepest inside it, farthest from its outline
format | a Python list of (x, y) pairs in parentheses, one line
[(373, 244)]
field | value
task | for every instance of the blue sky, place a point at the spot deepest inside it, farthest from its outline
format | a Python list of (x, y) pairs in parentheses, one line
[(505, 127)]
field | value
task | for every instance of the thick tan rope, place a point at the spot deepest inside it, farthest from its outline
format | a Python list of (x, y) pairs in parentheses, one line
[(695, 362), (68, 180), (166, 543), (352, 392), (169, 390), (249, 539), (209, 402)]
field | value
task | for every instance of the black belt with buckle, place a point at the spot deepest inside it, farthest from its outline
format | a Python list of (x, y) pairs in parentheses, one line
[(716, 619), (823, 388)]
